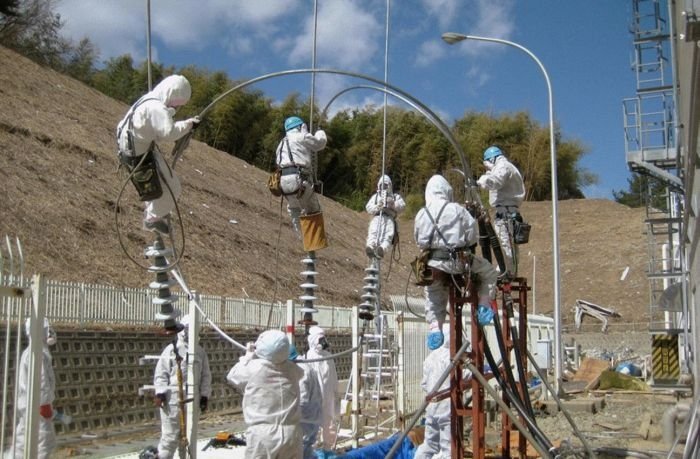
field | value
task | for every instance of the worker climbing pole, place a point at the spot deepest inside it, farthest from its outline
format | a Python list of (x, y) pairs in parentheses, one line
[(146, 123)]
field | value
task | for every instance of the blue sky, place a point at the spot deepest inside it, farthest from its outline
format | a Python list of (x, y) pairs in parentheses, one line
[(585, 46)]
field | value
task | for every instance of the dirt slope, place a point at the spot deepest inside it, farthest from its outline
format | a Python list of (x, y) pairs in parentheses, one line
[(59, 188)]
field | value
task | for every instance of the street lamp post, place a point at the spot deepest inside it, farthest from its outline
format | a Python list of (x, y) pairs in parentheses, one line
[(452, 38)]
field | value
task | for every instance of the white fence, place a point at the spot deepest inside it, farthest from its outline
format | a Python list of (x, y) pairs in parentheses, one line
[(80, 303)]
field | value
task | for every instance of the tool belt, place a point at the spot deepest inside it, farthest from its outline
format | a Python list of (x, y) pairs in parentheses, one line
[(143, 171), (447, 254), (520, 228), (291, 170)]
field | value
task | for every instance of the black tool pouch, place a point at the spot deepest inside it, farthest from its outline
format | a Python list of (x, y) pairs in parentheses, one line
[(521, 229), (144, 175)]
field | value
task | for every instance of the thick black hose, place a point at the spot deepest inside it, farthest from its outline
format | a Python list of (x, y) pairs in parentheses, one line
[(536, 432), (504, 355), (484, 241), (508, 300)]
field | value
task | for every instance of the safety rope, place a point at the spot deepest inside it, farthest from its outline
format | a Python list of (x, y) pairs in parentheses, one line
[(119, 234)]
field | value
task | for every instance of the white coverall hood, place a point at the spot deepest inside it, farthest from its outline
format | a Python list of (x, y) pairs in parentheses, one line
[(184, 334), (437, 189), (314, 338), (382, 180), (173, 91), (49, 335), (272, 345)]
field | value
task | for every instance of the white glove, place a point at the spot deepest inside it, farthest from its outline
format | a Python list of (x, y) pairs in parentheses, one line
[(482, 181), (389, 201), (249, 352), (194, 122)]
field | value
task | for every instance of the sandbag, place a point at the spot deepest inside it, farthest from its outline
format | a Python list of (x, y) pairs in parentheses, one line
[(313, 232)]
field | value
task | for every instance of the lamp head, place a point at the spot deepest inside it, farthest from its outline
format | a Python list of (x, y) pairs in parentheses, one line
[(453, 37)]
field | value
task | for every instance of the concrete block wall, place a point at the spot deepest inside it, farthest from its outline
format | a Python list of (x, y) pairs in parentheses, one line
[(98, 374)]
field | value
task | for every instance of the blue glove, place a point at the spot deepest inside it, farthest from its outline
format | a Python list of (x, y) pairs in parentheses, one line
[(484, 314), (435, 339)]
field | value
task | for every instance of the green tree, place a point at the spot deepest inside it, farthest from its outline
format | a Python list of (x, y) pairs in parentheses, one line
[(32, 29), (119, 80), (642, 190)]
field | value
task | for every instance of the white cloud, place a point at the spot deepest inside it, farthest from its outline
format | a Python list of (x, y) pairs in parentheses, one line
[(490, 18), (429, 52), (445, 11), (116, 28), (347, 37)]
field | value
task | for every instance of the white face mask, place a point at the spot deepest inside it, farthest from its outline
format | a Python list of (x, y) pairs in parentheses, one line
[(488, 165)]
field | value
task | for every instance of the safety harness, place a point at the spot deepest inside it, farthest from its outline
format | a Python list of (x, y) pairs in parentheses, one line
[(294, 169), (143, 169), (450, 253)]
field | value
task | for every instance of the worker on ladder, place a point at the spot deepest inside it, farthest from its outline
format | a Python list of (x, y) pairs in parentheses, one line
[(506, 192), (449, 233)]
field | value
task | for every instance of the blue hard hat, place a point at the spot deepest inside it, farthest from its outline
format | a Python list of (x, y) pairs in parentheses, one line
[(492, 153), (292, 122)]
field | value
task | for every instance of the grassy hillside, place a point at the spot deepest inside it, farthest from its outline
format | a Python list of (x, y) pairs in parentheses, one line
[(60, 188)]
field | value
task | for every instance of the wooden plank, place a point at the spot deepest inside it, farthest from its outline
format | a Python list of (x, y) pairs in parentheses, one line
[(609, 425), (590, 369)]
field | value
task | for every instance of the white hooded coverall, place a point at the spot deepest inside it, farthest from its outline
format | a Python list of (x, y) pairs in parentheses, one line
[(384, 205), (47, 391), (437, 414), (459, 231), (165, 382), (328, 380), (152, 121), (311, 403), (301, 144), (506, 193), (270, 386)]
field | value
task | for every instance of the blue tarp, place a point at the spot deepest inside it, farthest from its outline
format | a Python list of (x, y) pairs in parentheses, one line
[(380, 449)]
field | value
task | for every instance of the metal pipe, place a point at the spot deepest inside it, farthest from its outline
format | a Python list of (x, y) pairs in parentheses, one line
[(435, 120), (680, 411), (560, 405), (148, 43), (386, 78), (513, 417), (452, 37)]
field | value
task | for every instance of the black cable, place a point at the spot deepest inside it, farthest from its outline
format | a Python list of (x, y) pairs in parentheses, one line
[(536, 432), (519, 354), (507, 368)]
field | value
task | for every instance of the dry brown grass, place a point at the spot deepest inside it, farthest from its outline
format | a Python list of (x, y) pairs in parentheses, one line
[(57, 169)]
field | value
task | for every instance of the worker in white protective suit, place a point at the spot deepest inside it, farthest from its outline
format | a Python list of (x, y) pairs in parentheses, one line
[(437, 414), (328, 381), (149, 121), (165, 380), (384, 206), (506, 193), (310, 403), (270, 386), (449, 231), (47, 393), (294, 157)]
